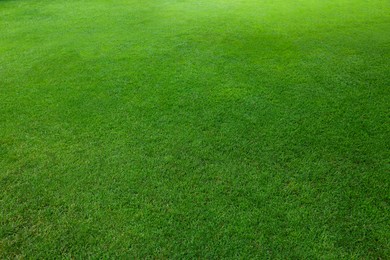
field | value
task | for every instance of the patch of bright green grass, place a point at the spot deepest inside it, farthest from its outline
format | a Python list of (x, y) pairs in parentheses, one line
[(186, 129)]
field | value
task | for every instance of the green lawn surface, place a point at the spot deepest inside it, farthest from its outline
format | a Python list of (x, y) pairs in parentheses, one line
[(252, 129)]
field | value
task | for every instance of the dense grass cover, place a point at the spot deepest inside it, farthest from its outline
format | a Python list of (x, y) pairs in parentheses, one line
[(186, 128)]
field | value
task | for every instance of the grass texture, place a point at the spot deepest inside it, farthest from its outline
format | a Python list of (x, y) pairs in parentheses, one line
[(194, 129)]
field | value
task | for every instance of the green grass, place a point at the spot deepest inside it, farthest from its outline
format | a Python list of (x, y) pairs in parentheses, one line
[(195, 129)]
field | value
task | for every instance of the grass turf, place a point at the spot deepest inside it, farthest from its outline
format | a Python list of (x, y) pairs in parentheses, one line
[(183, 128)]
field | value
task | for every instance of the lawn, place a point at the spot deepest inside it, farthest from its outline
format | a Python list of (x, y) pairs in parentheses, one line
[(195, 129)]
